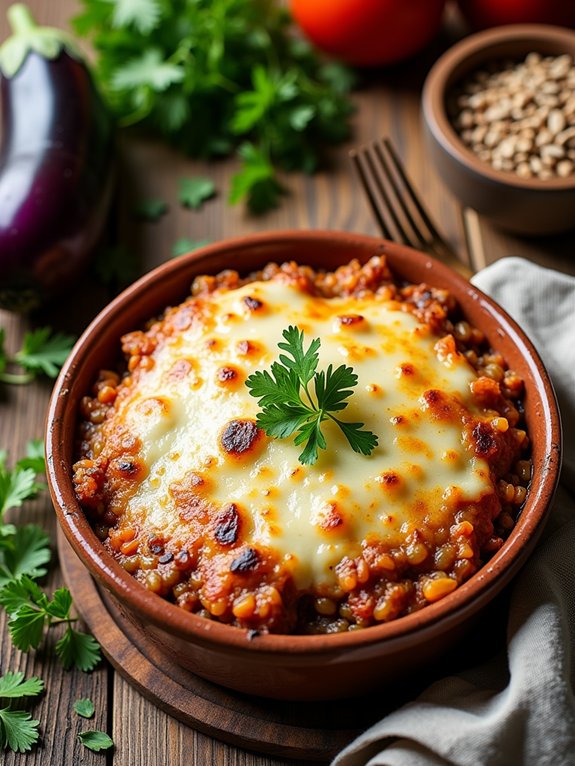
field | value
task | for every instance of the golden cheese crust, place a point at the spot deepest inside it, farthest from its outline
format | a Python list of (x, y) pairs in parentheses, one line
[(206, 510)]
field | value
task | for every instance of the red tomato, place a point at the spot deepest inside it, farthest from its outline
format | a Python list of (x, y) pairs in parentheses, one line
[(369, 32), (492, 13)]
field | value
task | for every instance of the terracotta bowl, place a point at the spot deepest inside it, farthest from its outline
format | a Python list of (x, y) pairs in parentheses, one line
[(287, 666), (524, 205)]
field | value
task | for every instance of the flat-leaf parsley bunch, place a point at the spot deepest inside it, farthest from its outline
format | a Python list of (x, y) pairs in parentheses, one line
[(288, 406), (213, 76)]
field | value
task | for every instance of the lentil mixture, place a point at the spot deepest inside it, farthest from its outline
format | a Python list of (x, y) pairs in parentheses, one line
[(520, 116), (212, 571)]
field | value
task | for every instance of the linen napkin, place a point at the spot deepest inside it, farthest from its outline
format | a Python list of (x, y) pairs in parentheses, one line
[(517, 708)]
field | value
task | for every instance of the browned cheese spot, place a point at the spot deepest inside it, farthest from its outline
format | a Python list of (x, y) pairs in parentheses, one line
[(187, 496), (226, 374), (247, 560), (239, 436), (331, 517), (398, 420), (348, 320), (440, 406), (180, 369), (484, 439), (126, 467), (407, 369), (252, 303), (227, 524), (245, 347)]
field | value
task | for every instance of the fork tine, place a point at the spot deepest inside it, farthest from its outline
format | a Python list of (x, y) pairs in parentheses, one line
[(414, 197), (365, 182), (420, 240)]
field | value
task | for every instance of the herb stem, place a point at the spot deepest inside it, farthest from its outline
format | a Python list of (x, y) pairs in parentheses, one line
[(16, 378)]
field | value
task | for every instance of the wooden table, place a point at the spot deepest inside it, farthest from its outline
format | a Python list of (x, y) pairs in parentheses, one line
[(387, 103)]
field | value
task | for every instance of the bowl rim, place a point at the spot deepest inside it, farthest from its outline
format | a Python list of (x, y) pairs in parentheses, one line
[(442, 75), (467, 598)]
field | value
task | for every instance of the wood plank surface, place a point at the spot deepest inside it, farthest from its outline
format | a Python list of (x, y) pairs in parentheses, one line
[(387, 103)]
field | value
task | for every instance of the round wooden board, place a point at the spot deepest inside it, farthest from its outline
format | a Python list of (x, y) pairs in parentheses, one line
[(302, 730)]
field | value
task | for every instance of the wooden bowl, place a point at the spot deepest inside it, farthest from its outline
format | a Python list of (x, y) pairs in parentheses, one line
[(524, 205), (295, 666)]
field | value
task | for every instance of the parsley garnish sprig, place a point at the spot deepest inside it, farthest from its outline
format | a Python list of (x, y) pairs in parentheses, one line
[(284, 411), (43, 352)]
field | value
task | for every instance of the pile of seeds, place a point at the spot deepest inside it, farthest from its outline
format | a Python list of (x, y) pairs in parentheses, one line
[(520, 117)]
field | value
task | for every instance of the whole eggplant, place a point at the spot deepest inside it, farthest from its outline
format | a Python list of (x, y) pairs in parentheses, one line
[(56, 163)]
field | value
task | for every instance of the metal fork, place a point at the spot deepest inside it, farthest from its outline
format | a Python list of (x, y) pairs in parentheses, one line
[(397, 207)]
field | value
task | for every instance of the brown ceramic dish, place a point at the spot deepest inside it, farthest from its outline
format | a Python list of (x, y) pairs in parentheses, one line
[(524, 205), (288, 666)]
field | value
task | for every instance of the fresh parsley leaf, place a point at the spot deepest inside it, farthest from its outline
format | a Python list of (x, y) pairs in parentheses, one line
[(149, 71), (144, 15), (18, 731), (26, 626), (19, 592), (195, 191), (288, 407), (78, 649), (13, 685), (256, 182), (15, 487), (96, 740), (151, 209), (84, 707), (34, 456), (26, 552), (44, 351), (185, 245)]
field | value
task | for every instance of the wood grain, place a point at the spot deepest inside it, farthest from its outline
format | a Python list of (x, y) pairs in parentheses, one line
[(387, 103)]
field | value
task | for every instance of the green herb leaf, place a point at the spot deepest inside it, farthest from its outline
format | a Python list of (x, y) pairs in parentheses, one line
[(26, 627), (84, 707), (34, 457), (18, 730), (16, 486), (44, 351), (211, 75), (96, 740), (195, 191), (151, 209), (185, 245), (283, 410), (27, 553), (78, 649), (144, 15), (13, 685), (149, 70)]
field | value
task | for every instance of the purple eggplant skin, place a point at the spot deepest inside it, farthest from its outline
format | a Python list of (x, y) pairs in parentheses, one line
[(56, 177)]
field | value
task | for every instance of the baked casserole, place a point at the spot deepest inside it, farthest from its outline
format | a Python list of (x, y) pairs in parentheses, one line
[(205, 509)]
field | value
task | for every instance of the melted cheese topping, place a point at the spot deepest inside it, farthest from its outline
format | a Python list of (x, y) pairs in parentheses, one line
[(310, 516)]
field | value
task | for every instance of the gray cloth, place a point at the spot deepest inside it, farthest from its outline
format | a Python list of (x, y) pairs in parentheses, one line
[(518, 707)]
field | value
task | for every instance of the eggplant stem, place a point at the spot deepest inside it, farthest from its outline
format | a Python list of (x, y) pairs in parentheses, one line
[(20, 19)]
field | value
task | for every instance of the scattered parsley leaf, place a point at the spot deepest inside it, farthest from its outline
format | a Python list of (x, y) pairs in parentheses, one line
[(256, 182), (26, 552), (26, 627), (283, 410), (84, 707), (185, 245), (16, 486), (151, 209), (34, 456), (78, 649), (13, 685), (18, 731), (44, 351), (96, 740), (195, 191)]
